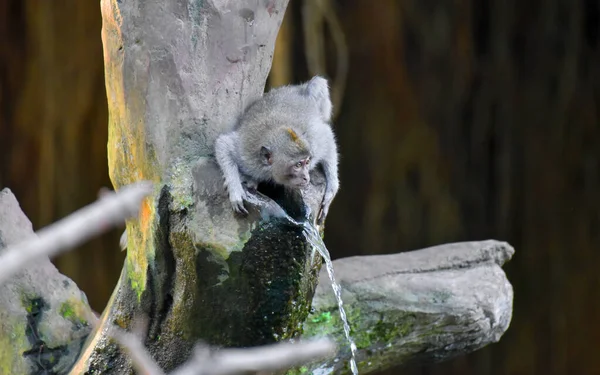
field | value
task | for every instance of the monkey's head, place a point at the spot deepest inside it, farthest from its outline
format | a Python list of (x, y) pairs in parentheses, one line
[(288, 158)]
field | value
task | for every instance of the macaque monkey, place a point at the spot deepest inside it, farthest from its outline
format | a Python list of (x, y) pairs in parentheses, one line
[(280, 138)]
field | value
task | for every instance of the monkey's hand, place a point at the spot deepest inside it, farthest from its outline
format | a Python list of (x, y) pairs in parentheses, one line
[(237, 196)]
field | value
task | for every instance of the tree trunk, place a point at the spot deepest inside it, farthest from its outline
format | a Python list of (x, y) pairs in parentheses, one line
[(177, 75)]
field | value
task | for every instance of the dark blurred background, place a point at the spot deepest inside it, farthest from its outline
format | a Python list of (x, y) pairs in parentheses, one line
[(457, 120)]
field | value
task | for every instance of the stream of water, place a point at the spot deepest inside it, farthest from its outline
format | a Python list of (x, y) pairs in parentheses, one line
[(311, 234)]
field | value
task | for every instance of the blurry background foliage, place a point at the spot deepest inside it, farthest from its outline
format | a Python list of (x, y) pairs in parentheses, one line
[(457, 120)]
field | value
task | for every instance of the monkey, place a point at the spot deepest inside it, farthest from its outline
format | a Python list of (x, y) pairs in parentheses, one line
[(280, 138)]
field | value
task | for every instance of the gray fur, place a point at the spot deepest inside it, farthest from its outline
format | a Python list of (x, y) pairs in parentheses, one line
[(305, 109)]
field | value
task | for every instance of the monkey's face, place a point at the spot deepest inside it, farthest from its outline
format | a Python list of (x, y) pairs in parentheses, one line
[(293, 173)]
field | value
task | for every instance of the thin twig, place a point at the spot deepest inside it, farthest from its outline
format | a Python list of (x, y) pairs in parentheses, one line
[(110, 210), (268, 358), (207, 361)]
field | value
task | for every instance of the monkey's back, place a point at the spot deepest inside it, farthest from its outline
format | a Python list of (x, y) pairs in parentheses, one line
[(280, 107)]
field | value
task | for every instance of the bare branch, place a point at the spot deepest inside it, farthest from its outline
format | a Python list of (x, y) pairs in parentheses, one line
[(280, 356), (110, 210), (207, 361)]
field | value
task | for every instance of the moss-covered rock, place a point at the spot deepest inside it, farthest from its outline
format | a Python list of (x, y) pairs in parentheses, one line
[(42, 313), (413, 308)]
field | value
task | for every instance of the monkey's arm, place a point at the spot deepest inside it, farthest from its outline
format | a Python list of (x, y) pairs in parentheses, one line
[(330, 167), (225, 148)]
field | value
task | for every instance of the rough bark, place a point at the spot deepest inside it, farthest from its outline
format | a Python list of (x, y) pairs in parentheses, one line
[(42, 313), (417, 307)]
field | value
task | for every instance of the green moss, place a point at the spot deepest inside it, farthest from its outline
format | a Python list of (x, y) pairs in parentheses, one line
[(329, 323), (362, 341), (323, 317), (12, 361), (66, 310), (298, 371), (72, 310), (137, 280), (365, 332), (368, 329), (386, 331)]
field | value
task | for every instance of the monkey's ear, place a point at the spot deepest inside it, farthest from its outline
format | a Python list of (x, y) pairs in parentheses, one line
[(318, 89), (266, 155)]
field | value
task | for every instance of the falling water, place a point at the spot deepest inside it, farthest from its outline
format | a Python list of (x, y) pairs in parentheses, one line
[(270, 208), (312, 235)]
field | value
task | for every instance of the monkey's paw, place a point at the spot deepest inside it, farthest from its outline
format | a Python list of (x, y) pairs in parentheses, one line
[(237, 198)]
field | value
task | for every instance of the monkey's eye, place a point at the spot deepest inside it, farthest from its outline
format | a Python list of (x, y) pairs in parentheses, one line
[(298, 165)]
